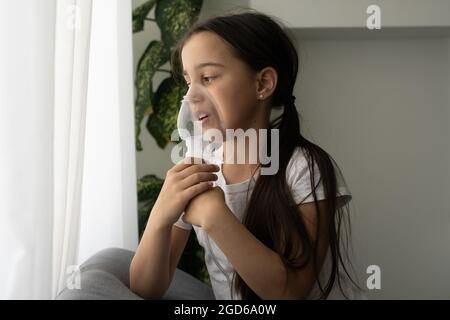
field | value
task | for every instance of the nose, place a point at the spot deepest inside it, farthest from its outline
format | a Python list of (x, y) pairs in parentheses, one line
[(194, 94), (193, 99)]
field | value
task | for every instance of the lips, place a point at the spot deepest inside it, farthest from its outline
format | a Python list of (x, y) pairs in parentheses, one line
[(202, 113)]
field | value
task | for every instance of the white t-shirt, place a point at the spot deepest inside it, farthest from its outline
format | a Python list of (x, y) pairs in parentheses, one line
[(298, 178)]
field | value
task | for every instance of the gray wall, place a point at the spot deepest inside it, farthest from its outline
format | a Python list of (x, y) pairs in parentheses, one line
[(382, 109)]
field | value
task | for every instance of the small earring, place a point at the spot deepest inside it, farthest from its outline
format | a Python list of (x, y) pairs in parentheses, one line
[(261, 96)]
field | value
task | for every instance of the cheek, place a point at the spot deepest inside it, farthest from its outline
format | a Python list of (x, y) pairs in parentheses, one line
[(236, 105)]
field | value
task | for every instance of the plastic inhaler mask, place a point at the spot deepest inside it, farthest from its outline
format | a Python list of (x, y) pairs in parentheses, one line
[(200, 125)]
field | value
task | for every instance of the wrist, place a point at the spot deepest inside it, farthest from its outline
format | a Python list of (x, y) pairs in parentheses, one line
[(218, 217), (155, 221), (158, 225)]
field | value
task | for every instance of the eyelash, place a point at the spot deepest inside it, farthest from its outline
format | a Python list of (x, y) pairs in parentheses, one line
[(212, 78)]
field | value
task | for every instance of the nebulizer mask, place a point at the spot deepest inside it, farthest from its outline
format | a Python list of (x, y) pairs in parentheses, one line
[(200, 125)]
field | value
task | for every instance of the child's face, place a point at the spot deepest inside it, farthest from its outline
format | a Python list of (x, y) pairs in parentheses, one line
[(231, 83)]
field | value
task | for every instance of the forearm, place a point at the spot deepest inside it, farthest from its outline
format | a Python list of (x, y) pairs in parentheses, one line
[(260, 267), (149, 270)]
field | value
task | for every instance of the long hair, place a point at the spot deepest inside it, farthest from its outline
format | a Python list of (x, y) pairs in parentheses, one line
[(271, 213)]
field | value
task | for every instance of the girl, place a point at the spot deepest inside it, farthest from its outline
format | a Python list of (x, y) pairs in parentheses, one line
[(265, 236)]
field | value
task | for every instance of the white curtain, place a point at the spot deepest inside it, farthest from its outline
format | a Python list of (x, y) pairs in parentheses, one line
[(67, 163)]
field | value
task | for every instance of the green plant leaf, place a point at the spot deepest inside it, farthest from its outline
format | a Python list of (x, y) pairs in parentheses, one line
[(155, 55), (143, 215), (140, 13), (148, 187), (174, 18), (166, 103)]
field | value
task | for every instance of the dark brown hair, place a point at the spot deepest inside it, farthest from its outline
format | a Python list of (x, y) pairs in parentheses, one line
[(271, 212)]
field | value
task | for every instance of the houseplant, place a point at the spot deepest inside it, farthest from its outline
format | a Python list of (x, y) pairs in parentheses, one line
[(160, 106)]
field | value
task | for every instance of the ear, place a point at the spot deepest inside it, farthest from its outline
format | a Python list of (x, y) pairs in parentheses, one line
[(266, 83)]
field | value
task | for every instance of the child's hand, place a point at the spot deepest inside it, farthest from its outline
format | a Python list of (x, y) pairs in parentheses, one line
[(183, 182), (204, 206)]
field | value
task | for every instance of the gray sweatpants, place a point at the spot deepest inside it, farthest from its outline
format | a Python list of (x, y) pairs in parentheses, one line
[(105, 275)]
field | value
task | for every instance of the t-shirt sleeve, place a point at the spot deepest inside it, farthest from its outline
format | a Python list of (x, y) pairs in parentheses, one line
[(298, 178), (181, 224)]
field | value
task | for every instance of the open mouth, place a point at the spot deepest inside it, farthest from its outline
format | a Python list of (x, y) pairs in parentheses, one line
[(202, 117)]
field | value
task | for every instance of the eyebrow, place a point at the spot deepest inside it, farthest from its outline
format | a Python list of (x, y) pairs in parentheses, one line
[(205, 64)]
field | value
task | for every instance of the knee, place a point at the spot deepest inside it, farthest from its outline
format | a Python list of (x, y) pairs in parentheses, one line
[(98, 285), (113, 253), (115, 261)]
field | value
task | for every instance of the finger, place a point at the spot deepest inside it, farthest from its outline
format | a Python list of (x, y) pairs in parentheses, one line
[(197, 178), (186, 162), (196, 189), (195, 168)]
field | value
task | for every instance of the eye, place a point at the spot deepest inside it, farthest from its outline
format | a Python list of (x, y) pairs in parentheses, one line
[(208, 79), (204, 79)]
